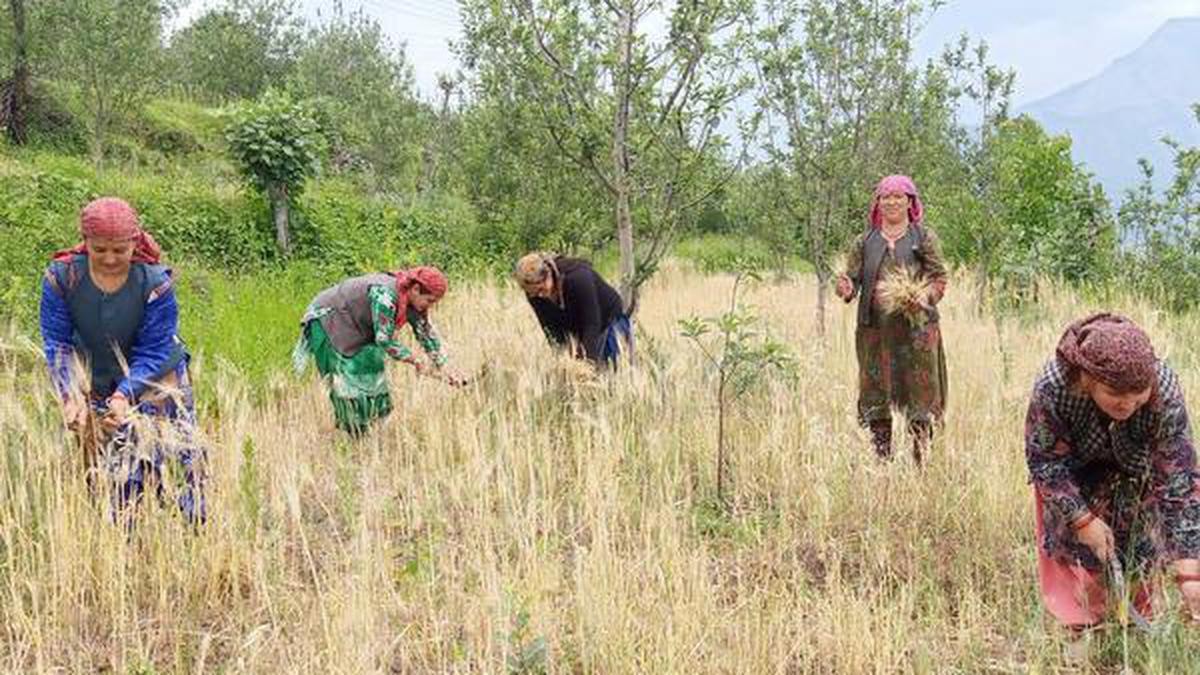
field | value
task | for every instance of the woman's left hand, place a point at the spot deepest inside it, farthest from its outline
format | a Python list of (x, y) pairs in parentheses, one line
[(921, 304), (118, 411)]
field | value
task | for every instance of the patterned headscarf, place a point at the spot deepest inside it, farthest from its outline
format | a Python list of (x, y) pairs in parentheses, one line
[(113, 218), (430, 279), (897, 183), (1112, 349)]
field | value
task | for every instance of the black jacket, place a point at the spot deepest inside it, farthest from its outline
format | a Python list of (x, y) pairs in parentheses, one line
[(589, 306)]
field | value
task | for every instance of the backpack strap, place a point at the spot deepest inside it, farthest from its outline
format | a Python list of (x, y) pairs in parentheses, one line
[(64, 276)]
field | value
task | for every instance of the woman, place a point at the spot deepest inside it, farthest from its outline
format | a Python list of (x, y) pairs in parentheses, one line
[(1111, 459), (900, 360), (109, 302), (575, 306), (350, 329)]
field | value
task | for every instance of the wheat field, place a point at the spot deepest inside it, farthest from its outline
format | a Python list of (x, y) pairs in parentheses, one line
[(539, 522)]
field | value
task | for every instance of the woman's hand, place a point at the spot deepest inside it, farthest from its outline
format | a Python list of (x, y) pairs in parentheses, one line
[(844, 288), (1187, 571), (1098, 537), (921, 304), (454, 376), (421, 367), (118, 412), (74, 413)]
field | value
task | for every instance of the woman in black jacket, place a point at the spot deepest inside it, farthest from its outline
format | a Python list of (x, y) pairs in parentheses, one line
[(575, 306)]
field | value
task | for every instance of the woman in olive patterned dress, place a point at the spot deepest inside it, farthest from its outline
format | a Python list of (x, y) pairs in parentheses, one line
[(900, 361)]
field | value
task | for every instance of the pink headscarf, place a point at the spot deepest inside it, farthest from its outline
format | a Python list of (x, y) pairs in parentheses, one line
[(113, 218), (897, 183), (429, 278)]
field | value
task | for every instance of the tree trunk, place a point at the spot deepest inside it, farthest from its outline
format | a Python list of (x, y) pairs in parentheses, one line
[(97, 148), (817, 241), (823, 277), (277, 193), (620, 158), (721, 441), (981, 284), (16, 97)]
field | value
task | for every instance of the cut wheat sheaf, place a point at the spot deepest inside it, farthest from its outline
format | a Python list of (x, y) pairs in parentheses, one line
[(904, 291)]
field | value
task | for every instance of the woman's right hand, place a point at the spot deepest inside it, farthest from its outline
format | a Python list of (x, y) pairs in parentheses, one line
[(845, 288), (74, 413), (1098, 537)]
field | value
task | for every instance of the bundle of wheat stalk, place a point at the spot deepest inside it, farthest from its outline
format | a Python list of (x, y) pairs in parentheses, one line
[(904, 291)]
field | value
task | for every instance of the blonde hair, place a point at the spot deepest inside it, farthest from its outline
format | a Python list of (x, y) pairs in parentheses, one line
[(533, 268)]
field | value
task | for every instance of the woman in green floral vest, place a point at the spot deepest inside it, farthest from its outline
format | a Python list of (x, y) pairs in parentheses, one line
[(349, 329)]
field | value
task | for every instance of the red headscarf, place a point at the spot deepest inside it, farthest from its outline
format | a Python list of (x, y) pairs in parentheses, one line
[(113, 218), (430, 279), (1112, 349), (897, 183)]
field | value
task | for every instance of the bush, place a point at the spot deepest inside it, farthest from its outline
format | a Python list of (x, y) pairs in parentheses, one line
[(36, 218), (714, 253)]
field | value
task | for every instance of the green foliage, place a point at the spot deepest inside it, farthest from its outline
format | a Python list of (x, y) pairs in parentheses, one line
[(527, 198), (526, 652), (216, 307), (51, 124), (639, 116), (238, 50), (363, 89), (1162, 248), (1041, 215), (713, 254), (736, 348), (36, 209), (275, 142), (175, 127), (250, 488), (109, 52)]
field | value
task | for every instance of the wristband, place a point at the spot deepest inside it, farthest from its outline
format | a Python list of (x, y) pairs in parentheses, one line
[(1083, 521)]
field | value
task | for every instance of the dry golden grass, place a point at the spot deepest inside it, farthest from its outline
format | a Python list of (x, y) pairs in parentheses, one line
[(540, 522)]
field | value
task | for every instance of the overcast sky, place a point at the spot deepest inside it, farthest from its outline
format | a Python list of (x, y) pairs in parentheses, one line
[(1050, 43)]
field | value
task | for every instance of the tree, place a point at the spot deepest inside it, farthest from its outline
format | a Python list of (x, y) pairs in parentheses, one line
[(237, 50), (14, 94), (1053, 221), (110, 52), (968, 179), (638, 114), (526, 198), (364, 86), (829, 73), (735, 348), (276, 143), (1161, 233)]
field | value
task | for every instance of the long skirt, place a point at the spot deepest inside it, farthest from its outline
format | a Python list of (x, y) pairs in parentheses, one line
[(900, 365), (1075, 595), (162, 426), (358, 387)]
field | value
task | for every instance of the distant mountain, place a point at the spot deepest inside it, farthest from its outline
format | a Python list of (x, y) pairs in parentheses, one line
[(1121, 114)]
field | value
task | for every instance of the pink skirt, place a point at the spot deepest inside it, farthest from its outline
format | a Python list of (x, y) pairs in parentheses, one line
[(1075, 595)]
